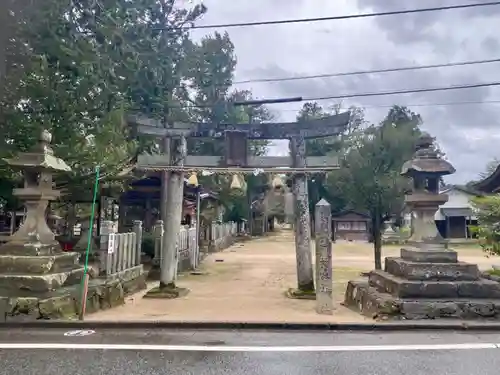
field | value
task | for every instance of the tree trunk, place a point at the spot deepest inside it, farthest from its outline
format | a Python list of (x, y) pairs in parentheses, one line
[(377, 241)]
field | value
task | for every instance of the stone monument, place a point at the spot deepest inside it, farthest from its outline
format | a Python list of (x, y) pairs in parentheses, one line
[(390, 236), (427, 281), (33, 266)]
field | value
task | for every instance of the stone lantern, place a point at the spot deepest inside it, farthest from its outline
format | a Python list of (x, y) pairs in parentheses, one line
[(426, 169), (427, 281), (32, 263), (37, 166)]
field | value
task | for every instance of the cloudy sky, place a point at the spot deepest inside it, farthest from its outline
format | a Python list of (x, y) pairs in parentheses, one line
[(468, 133)]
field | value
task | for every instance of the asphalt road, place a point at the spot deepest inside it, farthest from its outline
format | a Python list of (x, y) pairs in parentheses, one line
[(139, 352)]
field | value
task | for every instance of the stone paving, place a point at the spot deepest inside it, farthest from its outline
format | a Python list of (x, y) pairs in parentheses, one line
[(246, 283)]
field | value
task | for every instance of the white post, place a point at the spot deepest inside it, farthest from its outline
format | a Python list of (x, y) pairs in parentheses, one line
[(104, 254)]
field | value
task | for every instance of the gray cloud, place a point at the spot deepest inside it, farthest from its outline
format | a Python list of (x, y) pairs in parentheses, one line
[(468, 133)]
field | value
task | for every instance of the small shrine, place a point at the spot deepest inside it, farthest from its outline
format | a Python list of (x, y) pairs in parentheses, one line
[(32, 263), (427, 281)]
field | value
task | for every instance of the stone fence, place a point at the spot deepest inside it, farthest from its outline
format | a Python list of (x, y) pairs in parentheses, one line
[(218, 236), (120, 255), (221, 236)]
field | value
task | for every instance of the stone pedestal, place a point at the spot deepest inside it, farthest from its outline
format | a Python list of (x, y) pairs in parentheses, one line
[(423, 284)]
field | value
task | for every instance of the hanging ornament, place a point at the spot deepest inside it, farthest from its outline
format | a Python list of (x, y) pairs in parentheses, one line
[(277, 182), (193, 179), (236, 182)]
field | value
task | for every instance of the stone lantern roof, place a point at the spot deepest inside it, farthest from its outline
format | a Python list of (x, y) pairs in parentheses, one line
[(426, 160), (41, 156)]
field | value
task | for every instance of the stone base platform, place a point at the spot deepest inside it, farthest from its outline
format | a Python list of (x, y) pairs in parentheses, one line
[(424, 284), (65, 303), (370, 302)]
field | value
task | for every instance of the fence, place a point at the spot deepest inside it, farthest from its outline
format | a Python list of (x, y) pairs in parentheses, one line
[(119, 251), (220, 236)]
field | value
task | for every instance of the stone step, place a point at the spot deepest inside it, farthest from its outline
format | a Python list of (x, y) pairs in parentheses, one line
[(40, 283), (431, 271), (370, 302), (30, 249), (403, 288), (43, 264)]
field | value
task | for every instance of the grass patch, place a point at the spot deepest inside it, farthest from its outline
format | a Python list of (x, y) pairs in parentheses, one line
[(493, 272)]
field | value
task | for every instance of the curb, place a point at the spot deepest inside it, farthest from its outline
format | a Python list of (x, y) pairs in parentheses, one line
[(396, 326)]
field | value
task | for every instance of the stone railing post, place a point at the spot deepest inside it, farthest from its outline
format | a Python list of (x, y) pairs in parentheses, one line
[(193, 247), (104, 256), (138, 242), (323, 228), (158, 240), (119, 251)]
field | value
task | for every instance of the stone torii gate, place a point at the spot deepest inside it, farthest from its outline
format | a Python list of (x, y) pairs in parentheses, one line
[(174, 162)]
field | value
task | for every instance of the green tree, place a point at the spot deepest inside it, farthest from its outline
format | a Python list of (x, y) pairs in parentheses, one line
[(370, 179), (84, 64), (211, 65), (60, 86), (487, 211), (328, 146)]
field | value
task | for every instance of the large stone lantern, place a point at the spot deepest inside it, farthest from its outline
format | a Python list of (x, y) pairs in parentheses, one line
[(427, 281), (38, 166), (425, 169), (32, 263)]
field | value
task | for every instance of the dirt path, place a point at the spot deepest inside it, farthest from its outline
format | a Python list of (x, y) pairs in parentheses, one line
[(246, 283)]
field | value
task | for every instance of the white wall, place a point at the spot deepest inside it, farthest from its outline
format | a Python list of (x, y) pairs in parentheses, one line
[(456, 199)]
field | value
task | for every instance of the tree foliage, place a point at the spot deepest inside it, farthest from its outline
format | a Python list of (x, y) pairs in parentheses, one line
[(328, 146), (76, 67), (369, 180), (487, 211), (211, 72)]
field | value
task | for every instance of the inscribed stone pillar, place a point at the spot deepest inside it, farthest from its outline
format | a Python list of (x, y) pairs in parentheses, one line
[(172, 221), (323, 235), (302, 217)]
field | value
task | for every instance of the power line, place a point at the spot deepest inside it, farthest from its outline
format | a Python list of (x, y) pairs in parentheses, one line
[(375, 71), (359, 95), (346, 17), (413, 105), (407, 91)]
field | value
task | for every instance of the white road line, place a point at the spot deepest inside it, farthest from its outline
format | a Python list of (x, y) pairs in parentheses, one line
[(209, 348)]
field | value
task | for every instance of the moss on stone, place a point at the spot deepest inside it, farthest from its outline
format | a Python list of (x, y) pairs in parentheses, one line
[(301, 294), (169, 291)]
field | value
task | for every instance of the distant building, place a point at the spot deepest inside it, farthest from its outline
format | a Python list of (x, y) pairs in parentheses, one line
[(351, 226), (455, 216)]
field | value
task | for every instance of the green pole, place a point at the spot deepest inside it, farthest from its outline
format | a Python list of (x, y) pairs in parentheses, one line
[(84, 285)]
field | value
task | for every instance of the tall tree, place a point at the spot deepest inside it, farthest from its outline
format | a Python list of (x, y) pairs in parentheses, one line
[(211, 69), (60, 86), (328, 146), (85, 64), (370, 178)]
